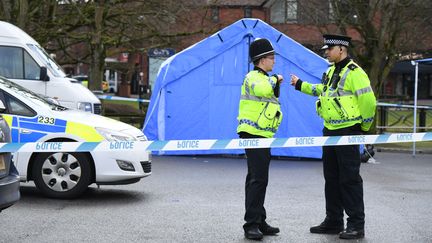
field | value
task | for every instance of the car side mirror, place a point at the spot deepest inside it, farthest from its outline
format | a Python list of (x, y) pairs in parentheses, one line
[(44, 74), (2, 107)]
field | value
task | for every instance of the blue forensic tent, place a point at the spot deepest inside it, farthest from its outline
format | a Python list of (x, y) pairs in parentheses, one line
[(197, 91)]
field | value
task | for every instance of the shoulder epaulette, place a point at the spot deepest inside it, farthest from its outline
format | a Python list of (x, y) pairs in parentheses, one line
[(352, 66)]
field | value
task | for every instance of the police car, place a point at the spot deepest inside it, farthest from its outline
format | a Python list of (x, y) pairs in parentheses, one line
[(33, 118)]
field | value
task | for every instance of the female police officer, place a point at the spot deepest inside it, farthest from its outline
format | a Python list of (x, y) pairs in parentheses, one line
[(259, 117)]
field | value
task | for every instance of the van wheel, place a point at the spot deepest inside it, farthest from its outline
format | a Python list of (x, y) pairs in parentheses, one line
[(62, 174)]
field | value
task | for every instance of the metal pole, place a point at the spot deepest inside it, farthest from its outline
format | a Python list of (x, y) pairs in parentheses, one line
[(415, 105)]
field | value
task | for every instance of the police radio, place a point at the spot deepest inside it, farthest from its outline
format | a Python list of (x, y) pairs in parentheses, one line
[(324, 79)]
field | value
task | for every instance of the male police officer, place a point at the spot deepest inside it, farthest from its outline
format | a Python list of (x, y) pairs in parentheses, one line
[(347, 105), (259, 117)]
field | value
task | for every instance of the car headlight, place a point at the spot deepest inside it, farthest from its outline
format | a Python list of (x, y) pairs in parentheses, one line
[(85, 106), (112, 135)]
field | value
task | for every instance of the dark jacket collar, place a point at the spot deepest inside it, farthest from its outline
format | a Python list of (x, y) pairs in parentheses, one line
[(260, 70), (342, 63)]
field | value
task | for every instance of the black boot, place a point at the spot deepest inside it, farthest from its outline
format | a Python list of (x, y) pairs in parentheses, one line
[(266, 229), (253, 233), (351, 233), (327, 227)]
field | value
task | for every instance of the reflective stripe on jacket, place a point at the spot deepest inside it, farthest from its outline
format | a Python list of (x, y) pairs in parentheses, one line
[(352, 101), (259, 109)]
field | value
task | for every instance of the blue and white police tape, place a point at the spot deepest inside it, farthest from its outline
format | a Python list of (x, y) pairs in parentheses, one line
[(210, 144), (109, 97)]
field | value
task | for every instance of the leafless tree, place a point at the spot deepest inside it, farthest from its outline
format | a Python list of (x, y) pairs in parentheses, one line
[(109, 27), (87, 31), (384, 31), (36, 17)]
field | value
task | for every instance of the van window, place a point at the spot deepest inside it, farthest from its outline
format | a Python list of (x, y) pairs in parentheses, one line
[(31, 68), (47, 60), (11, 62), (16, 63)]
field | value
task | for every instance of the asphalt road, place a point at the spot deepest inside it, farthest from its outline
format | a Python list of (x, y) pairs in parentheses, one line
[(200, 199)]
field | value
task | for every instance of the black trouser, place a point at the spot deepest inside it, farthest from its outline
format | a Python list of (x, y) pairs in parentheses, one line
[(258, 161), (343, 183)]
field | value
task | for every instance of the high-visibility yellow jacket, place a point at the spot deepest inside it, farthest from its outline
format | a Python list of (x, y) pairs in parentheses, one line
[(350, 100), (259, 109)]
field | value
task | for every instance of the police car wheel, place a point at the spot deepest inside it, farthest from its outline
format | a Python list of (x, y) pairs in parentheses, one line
[(62, 175)]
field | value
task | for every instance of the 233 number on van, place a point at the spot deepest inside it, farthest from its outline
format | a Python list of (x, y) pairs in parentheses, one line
[(46, 120)]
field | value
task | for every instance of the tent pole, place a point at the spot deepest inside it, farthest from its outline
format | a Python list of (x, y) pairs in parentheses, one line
[(415, 105)]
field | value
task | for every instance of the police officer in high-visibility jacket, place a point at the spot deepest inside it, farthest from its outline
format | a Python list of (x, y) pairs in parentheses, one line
[(259, 117), (346, 103)]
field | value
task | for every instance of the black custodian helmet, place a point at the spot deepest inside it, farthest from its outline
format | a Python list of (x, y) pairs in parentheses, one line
[(259, 49)]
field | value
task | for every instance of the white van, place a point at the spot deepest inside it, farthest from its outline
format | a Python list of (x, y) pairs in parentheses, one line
[(32, 118), (26, 63)]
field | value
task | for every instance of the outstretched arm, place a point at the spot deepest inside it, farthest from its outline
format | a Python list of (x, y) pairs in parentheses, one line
[(305, 87)]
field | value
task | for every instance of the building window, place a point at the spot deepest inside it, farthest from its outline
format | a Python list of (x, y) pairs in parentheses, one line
[(277, 12), (248, 12), (215, 14), (284, 11), (291, 11)]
